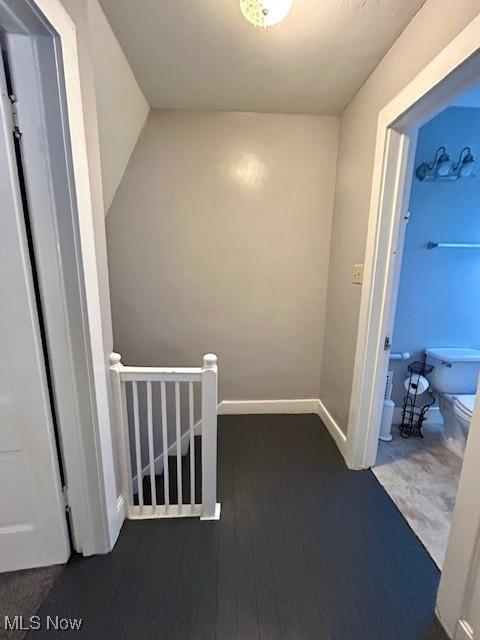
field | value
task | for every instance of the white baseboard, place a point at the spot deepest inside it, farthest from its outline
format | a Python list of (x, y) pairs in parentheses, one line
[(116, 524), (333, 428), (242, 407), (216, 515)]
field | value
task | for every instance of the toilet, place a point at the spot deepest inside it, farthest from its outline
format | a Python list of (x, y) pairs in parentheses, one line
[(456, 411), (454, 378)]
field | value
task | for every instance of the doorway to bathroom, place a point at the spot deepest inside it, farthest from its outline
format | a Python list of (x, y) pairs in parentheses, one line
[(435, 344), (450, 75)]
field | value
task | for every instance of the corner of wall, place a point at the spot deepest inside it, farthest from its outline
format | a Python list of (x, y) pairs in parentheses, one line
[(335, 157)]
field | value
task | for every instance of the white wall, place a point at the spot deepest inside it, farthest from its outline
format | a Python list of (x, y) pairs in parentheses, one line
[(218, 240), (121, 106), (432, 28)]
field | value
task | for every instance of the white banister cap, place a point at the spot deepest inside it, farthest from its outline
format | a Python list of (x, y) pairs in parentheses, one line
[(209, 361), (115, 358)]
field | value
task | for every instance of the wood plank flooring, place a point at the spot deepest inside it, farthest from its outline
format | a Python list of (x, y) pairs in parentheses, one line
[(305, 550)]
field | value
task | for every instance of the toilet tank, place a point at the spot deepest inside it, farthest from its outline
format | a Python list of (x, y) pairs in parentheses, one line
[(455, 370)]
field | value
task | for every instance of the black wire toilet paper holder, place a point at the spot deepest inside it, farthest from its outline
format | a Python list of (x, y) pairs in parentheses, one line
[(413, 413)]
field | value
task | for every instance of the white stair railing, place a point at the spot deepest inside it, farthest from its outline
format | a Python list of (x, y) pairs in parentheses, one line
[(152, 430)]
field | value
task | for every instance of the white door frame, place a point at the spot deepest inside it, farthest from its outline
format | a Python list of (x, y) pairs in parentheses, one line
[(451, 73), (67, 265)]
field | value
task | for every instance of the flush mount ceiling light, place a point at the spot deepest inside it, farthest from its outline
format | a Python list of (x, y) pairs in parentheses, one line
[(265, 13)]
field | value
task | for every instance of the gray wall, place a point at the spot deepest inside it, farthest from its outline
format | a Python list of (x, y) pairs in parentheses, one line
[(218, 240), (408, 56)]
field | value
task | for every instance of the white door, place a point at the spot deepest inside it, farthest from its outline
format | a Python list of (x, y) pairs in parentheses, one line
[(33, 529)]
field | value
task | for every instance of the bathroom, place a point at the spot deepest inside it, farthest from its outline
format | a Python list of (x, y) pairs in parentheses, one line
[(436, 325)]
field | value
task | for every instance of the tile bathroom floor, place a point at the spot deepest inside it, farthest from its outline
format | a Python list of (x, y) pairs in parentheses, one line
[(421, 476)]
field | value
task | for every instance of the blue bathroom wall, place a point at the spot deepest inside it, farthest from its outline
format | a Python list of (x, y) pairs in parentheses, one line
[(439, 296)]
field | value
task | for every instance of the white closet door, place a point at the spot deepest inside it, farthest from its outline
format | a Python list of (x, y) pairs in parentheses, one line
[(33, 530)]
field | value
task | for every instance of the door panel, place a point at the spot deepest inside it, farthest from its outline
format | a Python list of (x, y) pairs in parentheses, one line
[(33, 530)]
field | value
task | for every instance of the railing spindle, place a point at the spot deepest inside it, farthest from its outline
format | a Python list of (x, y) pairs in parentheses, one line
[(192, 443), (151, 447), (179, 445), (127, 454), (138, 445), (166, 471)]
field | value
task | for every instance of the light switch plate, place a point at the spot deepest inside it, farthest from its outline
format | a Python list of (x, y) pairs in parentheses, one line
[(357, 275)]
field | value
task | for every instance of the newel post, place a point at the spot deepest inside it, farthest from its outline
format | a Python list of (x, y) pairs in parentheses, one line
[(119, 399), (210, 508)]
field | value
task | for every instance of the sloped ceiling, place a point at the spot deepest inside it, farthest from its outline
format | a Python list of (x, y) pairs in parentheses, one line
[(202, 54)]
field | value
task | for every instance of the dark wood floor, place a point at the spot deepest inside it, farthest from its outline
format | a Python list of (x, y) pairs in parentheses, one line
[(305, 549)]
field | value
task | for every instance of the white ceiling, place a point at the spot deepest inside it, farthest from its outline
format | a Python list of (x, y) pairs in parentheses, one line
[(202, 54)]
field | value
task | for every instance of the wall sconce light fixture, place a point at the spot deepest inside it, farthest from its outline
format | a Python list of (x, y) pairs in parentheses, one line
[(464, 166), (442, 168)]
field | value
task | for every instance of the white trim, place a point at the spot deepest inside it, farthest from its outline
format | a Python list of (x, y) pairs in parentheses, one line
[(120, 516), (242, 407), (173, 511), (161, 511), (372, 318), (104, 463), (333, 428), (464, 631), (99, 455), (216, 514)]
